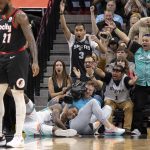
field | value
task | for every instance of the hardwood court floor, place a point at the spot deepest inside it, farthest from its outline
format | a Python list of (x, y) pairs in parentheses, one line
[(87, 143)]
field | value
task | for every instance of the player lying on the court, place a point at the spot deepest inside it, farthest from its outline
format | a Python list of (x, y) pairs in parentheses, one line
[(87, 110), (43, 122)]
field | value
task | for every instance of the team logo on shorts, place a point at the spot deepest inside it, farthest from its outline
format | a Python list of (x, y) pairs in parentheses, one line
[(20, 83)]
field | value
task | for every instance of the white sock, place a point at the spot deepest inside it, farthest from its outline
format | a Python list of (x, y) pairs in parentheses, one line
[(20, 110), (1, 114)]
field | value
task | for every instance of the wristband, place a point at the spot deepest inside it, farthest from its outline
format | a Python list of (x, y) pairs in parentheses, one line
[(115, 28), (78, 78)]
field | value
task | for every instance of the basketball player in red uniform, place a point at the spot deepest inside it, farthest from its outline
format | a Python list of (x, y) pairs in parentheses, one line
[(15, 31)]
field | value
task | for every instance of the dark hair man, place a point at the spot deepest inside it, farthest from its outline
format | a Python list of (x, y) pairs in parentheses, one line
[(80, 43)]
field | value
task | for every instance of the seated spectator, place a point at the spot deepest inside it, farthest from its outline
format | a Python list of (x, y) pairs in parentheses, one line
[(87, 110), (102, 26), (59, 82), (90, 76), (124, 63), (111, 6), (112, 47), (121, 53), (134, 18), (131, 9), (108, 16), (142, 87), (134, 6), (117, 92)]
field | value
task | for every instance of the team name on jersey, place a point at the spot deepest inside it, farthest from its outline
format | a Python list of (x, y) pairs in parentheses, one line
[(6, 27), (116, 91), (80, 47)]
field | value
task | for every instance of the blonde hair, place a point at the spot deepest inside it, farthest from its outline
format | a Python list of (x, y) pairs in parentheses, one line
[(137, 15)]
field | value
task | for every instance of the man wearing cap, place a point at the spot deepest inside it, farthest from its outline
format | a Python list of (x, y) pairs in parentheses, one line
[(112, 47), (117, 92)]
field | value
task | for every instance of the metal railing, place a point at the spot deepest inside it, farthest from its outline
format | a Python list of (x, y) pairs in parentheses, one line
[(46, 35)]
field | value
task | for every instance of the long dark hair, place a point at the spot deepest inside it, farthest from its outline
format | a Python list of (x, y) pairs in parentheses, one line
[(64, 72)]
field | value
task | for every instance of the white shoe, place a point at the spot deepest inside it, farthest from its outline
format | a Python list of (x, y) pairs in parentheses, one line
[(66, 133), (135, 132), (114, 131), (16, 142), (2, 140)]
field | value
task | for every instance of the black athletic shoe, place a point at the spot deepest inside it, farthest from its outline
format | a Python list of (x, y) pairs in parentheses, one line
[(2, 140), (94, 129)]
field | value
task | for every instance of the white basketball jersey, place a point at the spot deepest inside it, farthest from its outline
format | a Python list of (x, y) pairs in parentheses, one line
[(117, 93)]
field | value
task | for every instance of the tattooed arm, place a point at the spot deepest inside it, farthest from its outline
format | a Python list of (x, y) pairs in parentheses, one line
[(22, 20), (57, 110)]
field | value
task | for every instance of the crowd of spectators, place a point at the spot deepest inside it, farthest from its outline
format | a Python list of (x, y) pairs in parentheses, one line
[(121, 68), (114, 63)]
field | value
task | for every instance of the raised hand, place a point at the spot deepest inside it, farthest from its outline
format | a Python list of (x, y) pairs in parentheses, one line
[(62, 6), (94, 38), (134, 79), (92, 8), (77, 72), (110, 24)]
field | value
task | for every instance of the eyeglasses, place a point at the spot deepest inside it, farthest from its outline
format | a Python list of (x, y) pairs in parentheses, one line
[(88, 62), (116, 70), (120, 61)]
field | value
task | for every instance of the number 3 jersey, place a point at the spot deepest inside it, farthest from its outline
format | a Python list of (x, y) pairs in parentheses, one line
[(78, 52), (11, 35)]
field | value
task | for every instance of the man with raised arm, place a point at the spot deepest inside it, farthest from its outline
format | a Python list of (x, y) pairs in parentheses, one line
[(80, 43)]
